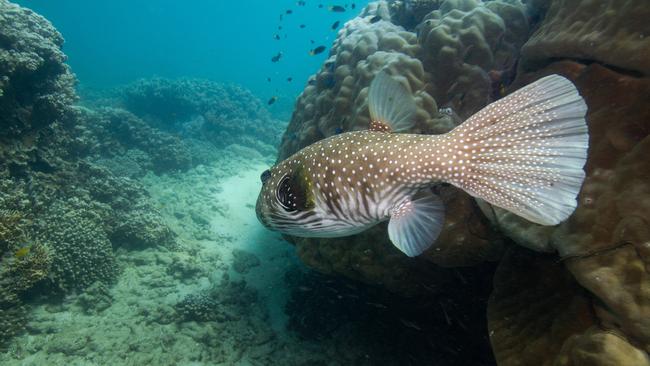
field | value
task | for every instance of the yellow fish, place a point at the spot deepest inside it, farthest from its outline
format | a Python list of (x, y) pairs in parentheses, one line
[(22, 252)]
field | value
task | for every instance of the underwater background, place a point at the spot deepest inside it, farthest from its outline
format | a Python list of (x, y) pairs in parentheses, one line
[(133, 136)]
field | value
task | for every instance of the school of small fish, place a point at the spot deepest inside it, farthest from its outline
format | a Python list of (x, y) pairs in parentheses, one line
[(318, 49)]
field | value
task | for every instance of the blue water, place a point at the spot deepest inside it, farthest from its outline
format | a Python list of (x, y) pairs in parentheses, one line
[(111, 43)]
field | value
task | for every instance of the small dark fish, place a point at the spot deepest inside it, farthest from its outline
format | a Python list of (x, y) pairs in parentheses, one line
[(277, 57), (338, 131), (289, 11), (272, 100), (353, 5), (337, 9), (329, 81), (276, 37), (311, 41), (268, 79), (301, 3), (320, 6), (330, 65), (289, 79), (302, 26), (335, 25), (375, 19), (317, 50), (281, 15), (279, 27)]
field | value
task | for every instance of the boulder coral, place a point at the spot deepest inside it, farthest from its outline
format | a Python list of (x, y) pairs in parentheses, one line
[(444, 61), (462, 42), (604, 244), (612, 32), (587, 304)]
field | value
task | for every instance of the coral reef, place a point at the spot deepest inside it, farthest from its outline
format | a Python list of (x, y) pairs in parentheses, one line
[(205, 110), (462, 42), (60, 215), (603, 242), (446, 64), (393, 330), (243, 261), (23, 263), (95, 298), (109, 133), (559, 327), (36, 86), (465, 54), (228, 301), (611, 32), (82, 253)]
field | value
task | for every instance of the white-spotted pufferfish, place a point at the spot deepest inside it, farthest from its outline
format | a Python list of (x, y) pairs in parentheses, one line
[(524, 153)]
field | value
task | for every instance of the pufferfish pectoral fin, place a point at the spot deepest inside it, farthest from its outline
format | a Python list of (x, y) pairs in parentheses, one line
[(415, 224), (391, 104)]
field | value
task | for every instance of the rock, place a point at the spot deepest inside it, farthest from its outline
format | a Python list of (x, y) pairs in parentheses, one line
[(243, 261), (95, 299)]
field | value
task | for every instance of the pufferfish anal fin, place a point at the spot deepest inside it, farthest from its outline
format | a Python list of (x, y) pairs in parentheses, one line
[(415, 224), (391, 105)]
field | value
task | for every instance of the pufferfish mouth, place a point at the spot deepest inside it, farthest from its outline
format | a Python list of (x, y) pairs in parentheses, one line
[(259, 211)]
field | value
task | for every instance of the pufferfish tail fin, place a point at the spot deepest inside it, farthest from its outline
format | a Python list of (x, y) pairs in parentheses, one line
[(525, 152), (391, 105)]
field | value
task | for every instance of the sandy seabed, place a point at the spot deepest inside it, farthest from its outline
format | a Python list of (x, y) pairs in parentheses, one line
[(212, 210)]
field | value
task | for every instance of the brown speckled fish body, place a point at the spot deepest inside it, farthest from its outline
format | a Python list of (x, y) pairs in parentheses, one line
[(355, 178)]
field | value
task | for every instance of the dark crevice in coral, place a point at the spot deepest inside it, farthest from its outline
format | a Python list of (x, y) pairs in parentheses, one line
[(448, 325), (586, 62)]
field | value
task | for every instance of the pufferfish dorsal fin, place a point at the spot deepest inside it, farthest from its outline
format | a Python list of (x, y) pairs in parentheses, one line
[(391, 105), (416, 223)]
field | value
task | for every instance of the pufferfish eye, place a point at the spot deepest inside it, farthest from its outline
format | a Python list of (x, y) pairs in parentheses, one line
[(286, 198), (265, 176)]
